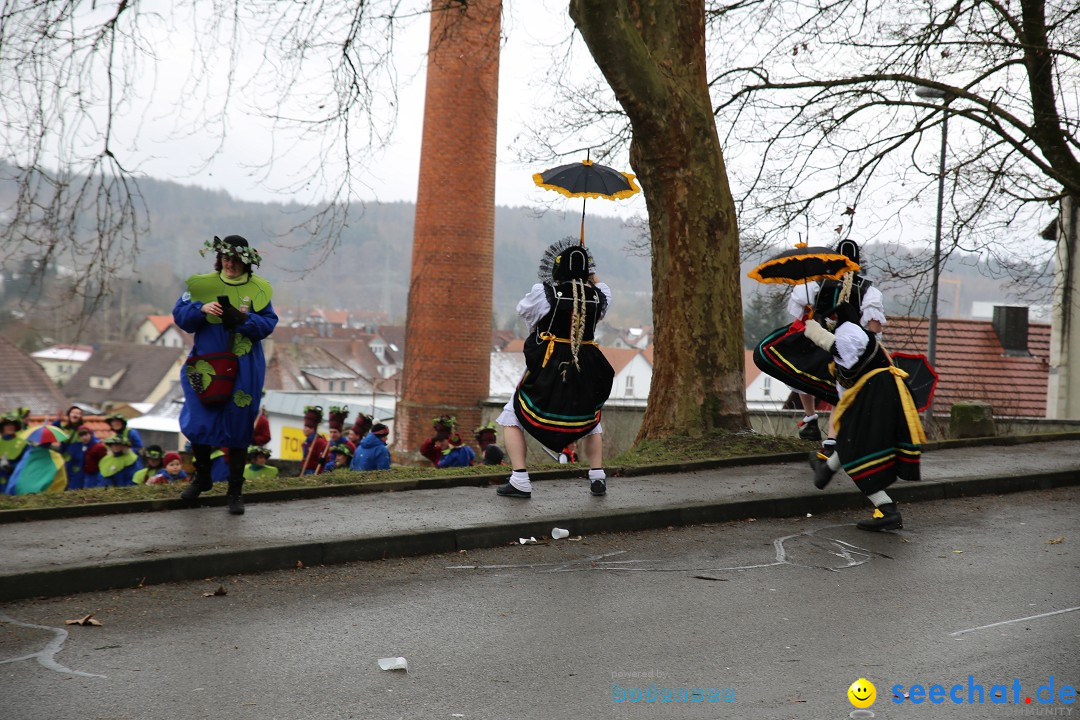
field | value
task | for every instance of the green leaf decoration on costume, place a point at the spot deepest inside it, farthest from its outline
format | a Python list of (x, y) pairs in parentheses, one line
[(204, 367), (241, 399), (241, 345)]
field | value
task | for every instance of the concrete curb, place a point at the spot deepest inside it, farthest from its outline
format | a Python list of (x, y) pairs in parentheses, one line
[(436, 482), (201, 565)]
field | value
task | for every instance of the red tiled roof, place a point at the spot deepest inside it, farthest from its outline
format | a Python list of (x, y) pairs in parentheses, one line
[(972, 364), (160, 322), (95, 423), (750, 368), (514, 346), (647, 353), (619, 357)]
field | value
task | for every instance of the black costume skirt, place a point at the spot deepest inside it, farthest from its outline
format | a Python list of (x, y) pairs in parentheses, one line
[(793, 359), (557, 403), (875, 436)]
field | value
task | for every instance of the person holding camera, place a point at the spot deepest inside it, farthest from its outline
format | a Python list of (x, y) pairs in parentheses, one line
[(230, 313)]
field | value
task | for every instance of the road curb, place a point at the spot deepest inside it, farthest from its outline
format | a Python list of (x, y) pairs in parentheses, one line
[(214, 563), (436, 482)]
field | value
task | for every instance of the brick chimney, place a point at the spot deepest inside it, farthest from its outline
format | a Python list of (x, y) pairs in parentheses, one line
[(1011, 326), (448, 330)]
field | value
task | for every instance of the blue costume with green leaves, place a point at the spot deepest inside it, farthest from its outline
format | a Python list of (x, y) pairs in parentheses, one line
[(231, 423)]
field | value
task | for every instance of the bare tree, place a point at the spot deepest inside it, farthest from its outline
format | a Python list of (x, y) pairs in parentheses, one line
[(837, 108), (70, 73)]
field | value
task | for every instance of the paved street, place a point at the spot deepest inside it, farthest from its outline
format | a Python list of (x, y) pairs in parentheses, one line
[(784, 613)]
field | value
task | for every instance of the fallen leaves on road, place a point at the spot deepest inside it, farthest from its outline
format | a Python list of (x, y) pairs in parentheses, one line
[(1056, 541), (84, 620), (220, 591), (299, 564)]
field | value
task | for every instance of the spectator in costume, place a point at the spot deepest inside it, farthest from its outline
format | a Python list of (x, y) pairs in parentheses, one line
[(82, 442), (172, 470), (153, 463), (119, 466), (372, 453), (432, 448), (12, 446), (40, 469), (567, 379), (341, 455), (93, 455), (456, 453), (261, 435), (315, 445), (360, 428), (491, 453), (879, 433), (119, 426), (229, 311), (257, 468), (334, 436)]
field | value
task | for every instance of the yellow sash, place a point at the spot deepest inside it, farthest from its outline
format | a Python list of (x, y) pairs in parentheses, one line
[(911, 414)]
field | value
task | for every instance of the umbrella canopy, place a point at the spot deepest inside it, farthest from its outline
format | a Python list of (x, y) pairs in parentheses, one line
[(44, 435), (586, 179), (802, 264), (922, 379)]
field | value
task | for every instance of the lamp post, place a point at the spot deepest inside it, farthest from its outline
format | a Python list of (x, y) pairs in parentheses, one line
[(931, 344)]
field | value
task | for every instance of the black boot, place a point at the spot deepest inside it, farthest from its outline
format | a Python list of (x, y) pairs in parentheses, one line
[(237, 459), (235, 498), (886, 517), (823, 474), (202, 480), (810, 430)]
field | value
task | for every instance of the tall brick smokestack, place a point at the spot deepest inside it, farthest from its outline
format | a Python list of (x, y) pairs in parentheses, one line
[(448, 331)]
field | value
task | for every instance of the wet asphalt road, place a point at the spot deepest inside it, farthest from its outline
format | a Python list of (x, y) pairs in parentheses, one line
[(780, 616)]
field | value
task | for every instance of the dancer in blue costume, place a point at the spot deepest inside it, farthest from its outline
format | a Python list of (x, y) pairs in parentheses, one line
[(228, 310)]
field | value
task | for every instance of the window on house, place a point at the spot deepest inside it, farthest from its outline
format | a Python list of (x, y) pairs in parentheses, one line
[(767, 385), (629, 386)]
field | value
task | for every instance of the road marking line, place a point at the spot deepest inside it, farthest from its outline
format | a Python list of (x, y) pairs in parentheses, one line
[(1009, 622)]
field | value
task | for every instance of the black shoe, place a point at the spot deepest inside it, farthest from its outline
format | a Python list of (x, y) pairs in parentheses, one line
[(823, 474), (508, 490), (886, 517), (810, 430), (598, 487), (196, 488), (236, 504)]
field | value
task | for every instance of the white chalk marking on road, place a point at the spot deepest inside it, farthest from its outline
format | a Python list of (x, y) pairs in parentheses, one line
[(45, 655), (1010, 622)]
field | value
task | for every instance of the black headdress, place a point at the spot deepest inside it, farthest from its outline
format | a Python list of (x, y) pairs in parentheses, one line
[(555, 265)]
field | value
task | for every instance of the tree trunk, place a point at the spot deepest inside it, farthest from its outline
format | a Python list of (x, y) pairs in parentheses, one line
[(652, 53)]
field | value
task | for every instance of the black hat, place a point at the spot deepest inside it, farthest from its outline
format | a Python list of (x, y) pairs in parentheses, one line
[(849, 249), (572, 264)]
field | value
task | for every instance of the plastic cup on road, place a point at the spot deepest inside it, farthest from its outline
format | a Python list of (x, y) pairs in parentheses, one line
[(559, 533)]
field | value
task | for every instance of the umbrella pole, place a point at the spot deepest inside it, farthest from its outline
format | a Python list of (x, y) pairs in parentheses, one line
[(583, 221)]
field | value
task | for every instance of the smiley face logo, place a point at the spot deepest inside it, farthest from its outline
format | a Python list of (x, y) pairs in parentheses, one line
[(862, 693)]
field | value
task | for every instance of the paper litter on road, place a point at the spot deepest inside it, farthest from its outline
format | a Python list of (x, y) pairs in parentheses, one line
[(394, 663)]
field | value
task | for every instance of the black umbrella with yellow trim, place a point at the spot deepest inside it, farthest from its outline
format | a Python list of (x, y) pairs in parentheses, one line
[(802, 264), (585, 180)]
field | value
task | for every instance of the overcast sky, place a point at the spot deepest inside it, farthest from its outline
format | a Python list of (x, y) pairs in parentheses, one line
[(530, 27)]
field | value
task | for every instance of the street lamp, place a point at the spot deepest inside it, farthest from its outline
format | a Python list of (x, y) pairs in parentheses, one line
[(931, 345)]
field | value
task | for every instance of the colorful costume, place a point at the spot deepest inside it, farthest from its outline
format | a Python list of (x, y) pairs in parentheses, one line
[(879, 433), (315, 447), (12, 448), (118, 469), (443, 425), (247, 317), (458, 454), (92, 465), (567, 379)]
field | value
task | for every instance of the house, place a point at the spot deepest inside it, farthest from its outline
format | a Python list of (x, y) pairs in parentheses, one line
[(763, 392), (61, 362), (633, 373), (1003, 362), (126, 373), (161, 330), (23, 383), (308, 367), (504, 374)]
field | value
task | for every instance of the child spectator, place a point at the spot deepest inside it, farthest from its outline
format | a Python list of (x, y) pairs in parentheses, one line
[(340, 457), (457, 453), (315, 446), (95, 451), (372, 453), (491, 453), (118, 424), (12, 446), (257, 468), (173, 470), (118, 467), (152, 464), (80, 444)]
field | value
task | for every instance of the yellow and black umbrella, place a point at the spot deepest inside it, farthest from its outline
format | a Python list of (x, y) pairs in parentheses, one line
[(802, 264), (585, 180)]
